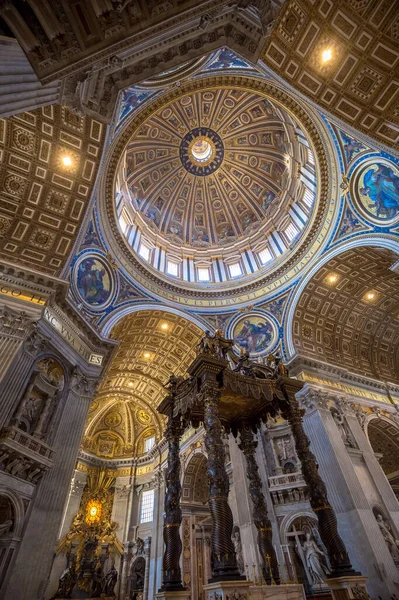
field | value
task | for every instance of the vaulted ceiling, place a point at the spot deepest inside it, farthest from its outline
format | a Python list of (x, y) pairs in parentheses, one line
[(42, 201), (360, 84), (348, 314), (153, 346), (384, 438)]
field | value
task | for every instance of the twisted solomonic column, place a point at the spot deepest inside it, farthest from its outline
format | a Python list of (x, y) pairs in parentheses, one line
[(262, 522), (223, 558), (173, 514), (339, 559)]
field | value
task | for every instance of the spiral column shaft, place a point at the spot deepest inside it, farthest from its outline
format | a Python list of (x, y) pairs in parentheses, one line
[(223, 558), (173, 514)]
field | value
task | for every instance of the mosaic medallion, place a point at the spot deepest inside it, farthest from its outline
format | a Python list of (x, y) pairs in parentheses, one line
[(254, 333), (94, 281), (201, 151), (375, 187)]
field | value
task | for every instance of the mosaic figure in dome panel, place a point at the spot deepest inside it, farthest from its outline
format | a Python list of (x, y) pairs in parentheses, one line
[(226, 59), (379, 191)]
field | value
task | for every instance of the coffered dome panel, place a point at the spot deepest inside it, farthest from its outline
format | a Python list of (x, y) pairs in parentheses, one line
[(215, 185)]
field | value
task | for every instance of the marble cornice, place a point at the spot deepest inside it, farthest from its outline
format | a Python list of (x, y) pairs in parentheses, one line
[(303, 363), (66, 311)]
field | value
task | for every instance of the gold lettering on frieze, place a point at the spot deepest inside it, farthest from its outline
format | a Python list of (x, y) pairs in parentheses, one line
[(72, 339), (26, 296)]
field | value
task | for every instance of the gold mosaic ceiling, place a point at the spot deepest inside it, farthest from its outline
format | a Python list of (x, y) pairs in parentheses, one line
[(154, 344), (337, 322), (243, 193)]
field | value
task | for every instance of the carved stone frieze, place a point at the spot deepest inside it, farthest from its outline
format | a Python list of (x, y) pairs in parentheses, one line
[(77, 486), (123, 492), (360, 414)]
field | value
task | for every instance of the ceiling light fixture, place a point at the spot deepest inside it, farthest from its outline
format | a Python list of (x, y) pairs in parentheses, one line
[(164, 326), (147, 355), (332, 278), (370, 296), (67, 161), (326, 55)]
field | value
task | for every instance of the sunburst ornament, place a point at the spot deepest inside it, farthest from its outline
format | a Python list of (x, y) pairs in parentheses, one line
[(94, 511)]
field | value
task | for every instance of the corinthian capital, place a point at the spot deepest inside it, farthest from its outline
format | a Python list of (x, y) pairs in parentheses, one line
[(35, 342), (82, 385), (315, 399)]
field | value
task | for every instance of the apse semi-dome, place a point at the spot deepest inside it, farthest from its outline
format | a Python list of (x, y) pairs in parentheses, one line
[(215, 187)]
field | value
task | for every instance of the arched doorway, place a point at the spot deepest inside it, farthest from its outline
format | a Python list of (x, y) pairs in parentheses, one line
[(196, 526), (383, 436)]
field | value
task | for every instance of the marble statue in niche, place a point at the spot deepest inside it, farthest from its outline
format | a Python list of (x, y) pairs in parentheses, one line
[(343, 428), (238, 550), (385, 528), (313, 559), (35, 412)]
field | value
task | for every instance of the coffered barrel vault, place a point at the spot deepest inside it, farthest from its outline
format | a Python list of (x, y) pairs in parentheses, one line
[(153, 344), (43, 200)]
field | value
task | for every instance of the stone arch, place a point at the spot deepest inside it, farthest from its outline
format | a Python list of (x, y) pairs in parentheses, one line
[(332, 319), (111, 320), (289, 519), (296, 529), (17, 512), (383, 436), (12, 516), (194, 485)]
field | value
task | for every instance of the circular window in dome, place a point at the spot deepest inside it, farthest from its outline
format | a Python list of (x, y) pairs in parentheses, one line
[(201, 150)]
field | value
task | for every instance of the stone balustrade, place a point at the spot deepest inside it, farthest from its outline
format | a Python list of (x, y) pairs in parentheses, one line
[(23, 455)]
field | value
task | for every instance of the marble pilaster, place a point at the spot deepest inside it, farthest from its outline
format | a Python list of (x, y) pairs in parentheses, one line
[(33, 564), (357, 525)]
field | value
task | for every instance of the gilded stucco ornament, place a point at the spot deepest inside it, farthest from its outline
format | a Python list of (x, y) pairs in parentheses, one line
[(261, 282)]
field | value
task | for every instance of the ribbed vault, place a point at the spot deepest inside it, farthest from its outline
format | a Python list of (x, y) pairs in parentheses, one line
[(153, 345), (348, 314)]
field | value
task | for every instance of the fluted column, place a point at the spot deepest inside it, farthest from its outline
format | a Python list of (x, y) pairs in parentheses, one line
[(262, 522), (319, 502), (223, 558), (173, 514)]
